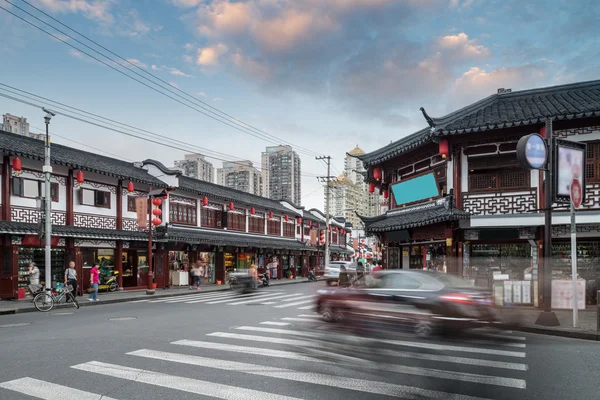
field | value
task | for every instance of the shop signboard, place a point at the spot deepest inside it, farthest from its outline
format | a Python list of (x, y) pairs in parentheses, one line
[(562, 294), (576, 193), (570, 165)]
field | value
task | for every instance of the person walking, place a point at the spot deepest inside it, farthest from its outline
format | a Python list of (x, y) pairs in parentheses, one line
[(94, 281), (196, 276), (71, 277)]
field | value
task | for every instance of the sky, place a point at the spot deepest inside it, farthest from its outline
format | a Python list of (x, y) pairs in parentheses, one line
[(322, 75)]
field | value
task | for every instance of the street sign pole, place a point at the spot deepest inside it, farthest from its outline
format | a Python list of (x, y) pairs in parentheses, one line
[(576, 198)]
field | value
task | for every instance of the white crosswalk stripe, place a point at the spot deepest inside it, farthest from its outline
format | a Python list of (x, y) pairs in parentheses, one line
[(295, 304), (49, 391)]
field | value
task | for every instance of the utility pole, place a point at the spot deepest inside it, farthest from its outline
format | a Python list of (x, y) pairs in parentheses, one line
[(47, 204), (327, 180)]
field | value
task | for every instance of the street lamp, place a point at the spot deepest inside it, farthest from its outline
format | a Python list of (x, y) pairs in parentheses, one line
[(48, 203)]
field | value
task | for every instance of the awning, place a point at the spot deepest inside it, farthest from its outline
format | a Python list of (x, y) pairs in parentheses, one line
[(24, 228)]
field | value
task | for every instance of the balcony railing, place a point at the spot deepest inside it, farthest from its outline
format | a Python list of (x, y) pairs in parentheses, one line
[(501, 203)]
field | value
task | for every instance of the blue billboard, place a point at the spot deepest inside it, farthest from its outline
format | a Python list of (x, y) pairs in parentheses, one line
[(420, 188)]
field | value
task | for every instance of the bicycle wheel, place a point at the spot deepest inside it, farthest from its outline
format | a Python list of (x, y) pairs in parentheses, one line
[(43, 302), (74, 301)]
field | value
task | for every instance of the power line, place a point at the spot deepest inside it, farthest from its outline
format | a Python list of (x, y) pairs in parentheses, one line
[(239, 124), (124, 131)]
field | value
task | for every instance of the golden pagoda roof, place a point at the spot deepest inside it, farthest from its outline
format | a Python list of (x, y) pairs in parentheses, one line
[(356, 151)]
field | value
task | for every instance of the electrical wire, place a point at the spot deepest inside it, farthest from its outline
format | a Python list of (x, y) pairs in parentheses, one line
[(80, 118), (240, 125)]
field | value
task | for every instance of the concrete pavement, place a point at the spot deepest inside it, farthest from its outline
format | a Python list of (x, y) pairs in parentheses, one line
[(269, 345)]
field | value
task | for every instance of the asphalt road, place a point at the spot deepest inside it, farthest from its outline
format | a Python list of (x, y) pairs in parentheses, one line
[(267, 347)]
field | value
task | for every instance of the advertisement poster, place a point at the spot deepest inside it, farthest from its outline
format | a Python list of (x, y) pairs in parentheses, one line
[(526, 298), (508, 289), (571, 164), (516, 292), (562, 294)]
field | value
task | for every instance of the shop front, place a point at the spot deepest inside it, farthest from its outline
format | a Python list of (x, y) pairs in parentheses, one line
[(27, 250)]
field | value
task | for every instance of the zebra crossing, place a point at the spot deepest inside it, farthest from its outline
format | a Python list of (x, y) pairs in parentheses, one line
[(274, 298), (291, 351)]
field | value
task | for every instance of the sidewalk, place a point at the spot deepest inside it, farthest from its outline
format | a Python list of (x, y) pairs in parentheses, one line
[(524, 320), (22, 306)]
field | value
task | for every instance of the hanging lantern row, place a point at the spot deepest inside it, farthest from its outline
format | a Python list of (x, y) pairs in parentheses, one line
[(252, 211), (231, 206), (371, 187), (157, 212), (205, 201), (17, 166)]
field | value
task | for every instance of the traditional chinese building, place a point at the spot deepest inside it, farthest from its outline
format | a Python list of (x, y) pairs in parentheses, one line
[(94, 219), (460, 201)]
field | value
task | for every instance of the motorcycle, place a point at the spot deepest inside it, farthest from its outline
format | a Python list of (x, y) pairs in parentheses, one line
[(263, 280), (109, 282), (311, 276)]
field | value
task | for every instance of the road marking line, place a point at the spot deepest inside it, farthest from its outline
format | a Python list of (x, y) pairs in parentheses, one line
[(298, 319), (317, 316), (494, 335), (226, 297), (275, 323), (236, 297), (185, 297), (303, 296), (360, 385), (189, 385), (261, 298), (311, 307), (268, 303), (49, 391), (392, 353), (295, 304), (423, 345), (139, 301)]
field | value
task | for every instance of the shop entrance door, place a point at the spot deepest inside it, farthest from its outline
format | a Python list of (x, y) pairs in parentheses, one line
[(8, 277), (159, 270)]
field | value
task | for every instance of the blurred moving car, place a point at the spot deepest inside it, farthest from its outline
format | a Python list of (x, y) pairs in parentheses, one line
[(333, 269), (423, 302)]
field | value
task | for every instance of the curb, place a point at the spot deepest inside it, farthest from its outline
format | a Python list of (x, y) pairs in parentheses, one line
[(584, 335), (131, 299)]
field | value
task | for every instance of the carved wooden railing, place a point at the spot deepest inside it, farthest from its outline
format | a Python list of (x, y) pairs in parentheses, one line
[(500, 203)]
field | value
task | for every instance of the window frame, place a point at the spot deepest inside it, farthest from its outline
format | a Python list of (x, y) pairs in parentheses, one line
[(256, 224), (289, 229), (236, 222), (274, 226), (591, 160), (184, 214), (211, 214), (497, 176), (17, 188), (106, 194)]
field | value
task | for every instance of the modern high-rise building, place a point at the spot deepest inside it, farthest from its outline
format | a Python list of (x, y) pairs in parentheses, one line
[(281, 174), (196, 166), (240, 175), (349, 194), (20, 126)]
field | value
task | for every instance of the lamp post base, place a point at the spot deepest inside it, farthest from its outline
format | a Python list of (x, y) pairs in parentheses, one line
[(547, 318), (150, 291)]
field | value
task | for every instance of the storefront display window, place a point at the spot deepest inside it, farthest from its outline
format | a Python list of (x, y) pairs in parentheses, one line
[(208, 261), (416, 257), (28, 255), (498, 262), (230, 262), (588, 266)]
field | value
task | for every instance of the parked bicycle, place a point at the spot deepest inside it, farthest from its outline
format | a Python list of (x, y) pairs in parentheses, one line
[(45, 301)]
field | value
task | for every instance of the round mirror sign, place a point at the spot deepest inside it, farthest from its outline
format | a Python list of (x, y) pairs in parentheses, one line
[(532, 151)]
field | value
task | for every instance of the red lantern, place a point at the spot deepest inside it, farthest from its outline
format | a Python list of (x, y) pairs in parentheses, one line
[(252, 211), (350, 233), (80, 178), (157, 212), (543, 132), (17, 166), (286, 218), (444, 149), (309, 223), (385, 194), (156, 201), (371, 187), (205, 201), (270, 214), (156, 221), (231, 206), (166, 196), (377, 173), (130, 187), (299, 221)]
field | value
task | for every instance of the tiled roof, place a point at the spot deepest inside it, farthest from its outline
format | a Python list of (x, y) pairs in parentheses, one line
[(432, 212), (23, 228), (395, 148), (27, 147), (223, 193), (222, 238), (498, 111), (525, 107)]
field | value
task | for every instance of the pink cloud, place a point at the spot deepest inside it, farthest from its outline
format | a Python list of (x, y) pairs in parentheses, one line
[(464, 46), (95, 9), (208, 56)]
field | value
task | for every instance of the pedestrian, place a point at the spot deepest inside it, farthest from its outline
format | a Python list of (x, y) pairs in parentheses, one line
[(196, 272), (34, 274), (71, 277), (94, 281)]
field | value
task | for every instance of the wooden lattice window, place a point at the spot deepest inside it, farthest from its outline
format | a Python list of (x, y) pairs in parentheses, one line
[(236, 222), (507, 179), (592, 165)]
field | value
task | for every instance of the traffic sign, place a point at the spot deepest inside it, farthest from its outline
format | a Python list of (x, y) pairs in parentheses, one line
[(576, 193)]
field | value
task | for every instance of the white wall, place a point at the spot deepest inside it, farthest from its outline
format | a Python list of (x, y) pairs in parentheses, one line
[(96, 182)]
